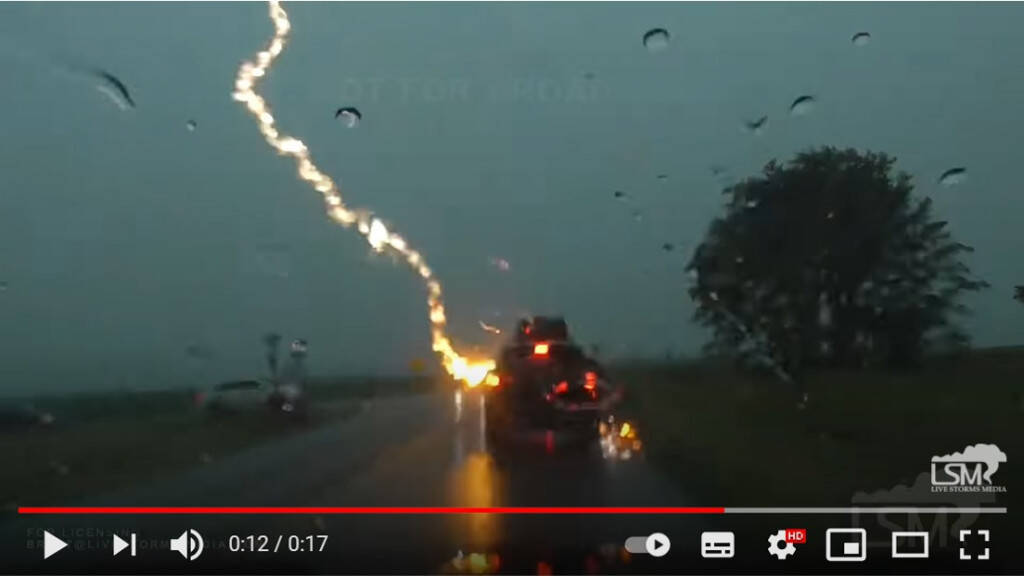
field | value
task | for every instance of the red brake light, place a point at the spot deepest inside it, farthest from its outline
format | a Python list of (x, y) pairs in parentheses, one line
[(590, 379), (541, 349), (562, 387)]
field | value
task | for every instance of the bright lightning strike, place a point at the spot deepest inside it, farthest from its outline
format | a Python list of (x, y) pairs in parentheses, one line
[(372, 229)]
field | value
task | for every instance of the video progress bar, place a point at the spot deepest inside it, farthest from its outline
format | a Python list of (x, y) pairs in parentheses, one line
[(871, 510), (532, 510)]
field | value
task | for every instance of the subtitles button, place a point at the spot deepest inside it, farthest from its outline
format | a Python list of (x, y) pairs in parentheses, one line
[(717, 544)]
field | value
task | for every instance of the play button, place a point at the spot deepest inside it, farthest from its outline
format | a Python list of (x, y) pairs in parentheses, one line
[(658, 544), (52, 544)]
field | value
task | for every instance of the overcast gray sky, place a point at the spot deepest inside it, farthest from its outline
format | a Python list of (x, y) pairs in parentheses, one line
[(488, 131)]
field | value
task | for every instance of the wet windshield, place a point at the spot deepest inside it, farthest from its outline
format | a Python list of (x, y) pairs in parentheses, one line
[(279, 256)]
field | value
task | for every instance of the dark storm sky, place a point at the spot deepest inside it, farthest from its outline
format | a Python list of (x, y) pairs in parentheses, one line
[(489, 131)]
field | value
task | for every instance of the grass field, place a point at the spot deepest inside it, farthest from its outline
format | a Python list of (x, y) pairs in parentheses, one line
[(742, 441), (102, 442)]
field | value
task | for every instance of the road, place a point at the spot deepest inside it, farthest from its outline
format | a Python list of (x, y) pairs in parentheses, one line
[(407, 451)]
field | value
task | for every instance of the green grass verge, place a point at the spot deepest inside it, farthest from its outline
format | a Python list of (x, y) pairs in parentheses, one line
[(740, 440), (103, 442)]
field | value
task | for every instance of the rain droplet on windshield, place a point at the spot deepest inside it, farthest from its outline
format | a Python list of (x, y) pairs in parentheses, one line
[(489, 328), (191, 125), (638, 216), (953, 176), (667, 246), (656, 40), (619, 194), (350, 115), (198, 352), (756, 126), (3, 286), (114, 89), (662, 177), (501, 264), (803, 105), (861, 39)]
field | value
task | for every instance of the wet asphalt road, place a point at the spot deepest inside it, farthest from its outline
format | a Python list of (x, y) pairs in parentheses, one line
[(412, 451)]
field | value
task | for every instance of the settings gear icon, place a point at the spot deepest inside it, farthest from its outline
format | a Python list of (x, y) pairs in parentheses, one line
[(778, 547)]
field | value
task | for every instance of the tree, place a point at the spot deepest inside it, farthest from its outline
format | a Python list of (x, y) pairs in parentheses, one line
[(829, 260)]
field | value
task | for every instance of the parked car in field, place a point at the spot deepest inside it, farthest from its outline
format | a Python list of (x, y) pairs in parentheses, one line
[(19, 417), (253, 396)]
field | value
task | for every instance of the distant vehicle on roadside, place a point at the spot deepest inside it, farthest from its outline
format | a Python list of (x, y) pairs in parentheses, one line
[(253, 396), (19, 417)]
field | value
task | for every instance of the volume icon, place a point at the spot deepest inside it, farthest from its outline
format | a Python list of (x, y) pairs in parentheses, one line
[(189, 544)]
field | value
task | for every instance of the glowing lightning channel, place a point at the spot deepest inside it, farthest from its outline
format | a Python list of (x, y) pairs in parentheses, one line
[(371, 228)]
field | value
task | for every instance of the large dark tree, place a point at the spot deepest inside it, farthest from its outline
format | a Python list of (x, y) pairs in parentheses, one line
[(829, 260)]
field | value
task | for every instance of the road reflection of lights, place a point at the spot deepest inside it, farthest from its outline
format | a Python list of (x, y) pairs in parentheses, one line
[(482, 440), (619, 440), (474, 563), (460, 448), (476, 483), (458, 405)]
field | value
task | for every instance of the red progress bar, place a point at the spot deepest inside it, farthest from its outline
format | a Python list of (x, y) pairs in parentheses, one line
[(363, 510)]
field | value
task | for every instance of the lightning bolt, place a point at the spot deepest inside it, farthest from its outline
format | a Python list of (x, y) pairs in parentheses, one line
[(369, 227)]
